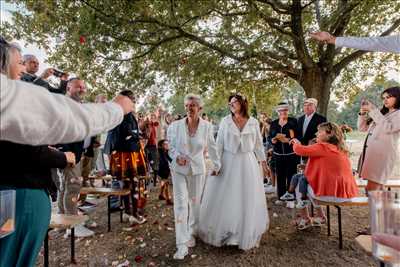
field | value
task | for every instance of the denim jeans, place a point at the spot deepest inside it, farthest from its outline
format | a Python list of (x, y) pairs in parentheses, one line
[(301, 180)]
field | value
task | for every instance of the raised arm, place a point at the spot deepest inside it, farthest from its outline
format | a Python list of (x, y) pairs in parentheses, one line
[(220, 139), (31, 115), (389, 43), (259, 147), (171, 137), (376, 44), (212, 148), (314, 150), (362, 124), (390, 124)]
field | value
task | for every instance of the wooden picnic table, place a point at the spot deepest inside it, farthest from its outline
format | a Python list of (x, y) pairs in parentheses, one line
[(353, 202), (365, 242), (63, 221), (108, 192), (391, 183), (104, 191)]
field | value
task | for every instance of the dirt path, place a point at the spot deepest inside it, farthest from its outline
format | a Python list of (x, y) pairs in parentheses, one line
[(152, 244)]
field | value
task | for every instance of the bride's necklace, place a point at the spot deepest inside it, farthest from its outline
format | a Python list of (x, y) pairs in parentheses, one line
[(192, 130)]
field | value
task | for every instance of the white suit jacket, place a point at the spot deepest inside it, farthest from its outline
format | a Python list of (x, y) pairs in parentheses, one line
[(179, 145)]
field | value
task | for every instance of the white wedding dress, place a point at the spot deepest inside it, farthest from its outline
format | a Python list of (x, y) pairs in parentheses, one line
[(233, 209)]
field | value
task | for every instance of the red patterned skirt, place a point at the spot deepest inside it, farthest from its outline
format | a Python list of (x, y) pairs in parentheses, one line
[(128, 164)]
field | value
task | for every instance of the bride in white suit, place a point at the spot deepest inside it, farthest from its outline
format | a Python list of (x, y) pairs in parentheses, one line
[(234, 209), (188, 139)]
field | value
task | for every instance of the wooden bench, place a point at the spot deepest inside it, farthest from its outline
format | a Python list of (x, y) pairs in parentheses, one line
[(106, 179), (365, 242), (354, 202), (391, 183), (63, 221), (108, 192)]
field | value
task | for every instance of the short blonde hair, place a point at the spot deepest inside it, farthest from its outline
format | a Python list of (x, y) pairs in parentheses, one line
[(6, 50), (195, 98)]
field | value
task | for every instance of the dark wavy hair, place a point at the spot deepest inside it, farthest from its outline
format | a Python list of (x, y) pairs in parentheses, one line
[(129, 94), (244, 104), (4, 46), (394, 92)]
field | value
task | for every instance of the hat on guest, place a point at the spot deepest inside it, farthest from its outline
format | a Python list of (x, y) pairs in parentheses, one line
[(311, 101), (282, 106)]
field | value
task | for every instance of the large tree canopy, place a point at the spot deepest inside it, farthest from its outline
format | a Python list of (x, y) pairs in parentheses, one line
[(205, 44)]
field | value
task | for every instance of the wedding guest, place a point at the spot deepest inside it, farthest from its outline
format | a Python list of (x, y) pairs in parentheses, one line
[(234, 209), (328, 172), (188, 139)]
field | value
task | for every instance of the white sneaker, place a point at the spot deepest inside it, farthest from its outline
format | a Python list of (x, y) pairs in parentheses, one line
[(287, 197), (301, 204), (82, 231), (139, 220), (181, 252), (91, 224), (67, 233), (279, 202), (191, 243), (125, 217), (269, 189), (290, 204)]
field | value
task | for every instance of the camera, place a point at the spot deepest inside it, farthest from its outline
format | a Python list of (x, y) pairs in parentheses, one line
[(58, 73)]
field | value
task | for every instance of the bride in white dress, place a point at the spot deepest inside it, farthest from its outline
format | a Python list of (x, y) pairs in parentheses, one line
[(234, 209)]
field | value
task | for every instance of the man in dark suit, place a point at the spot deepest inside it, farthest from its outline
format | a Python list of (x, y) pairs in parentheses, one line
[(308, 123)]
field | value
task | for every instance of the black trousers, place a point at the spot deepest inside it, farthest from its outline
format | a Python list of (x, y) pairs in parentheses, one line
[(286, 167)]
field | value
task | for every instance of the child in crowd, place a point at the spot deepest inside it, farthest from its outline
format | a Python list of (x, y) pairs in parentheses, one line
[(164, 171)]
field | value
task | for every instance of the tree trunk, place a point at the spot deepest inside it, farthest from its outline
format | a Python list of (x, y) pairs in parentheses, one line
[(317, 84)]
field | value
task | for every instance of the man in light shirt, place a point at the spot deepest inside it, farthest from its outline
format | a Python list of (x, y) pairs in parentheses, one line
[(389, 43), (33, 116)]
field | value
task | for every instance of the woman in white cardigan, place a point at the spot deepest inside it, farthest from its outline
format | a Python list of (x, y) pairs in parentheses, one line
[(189, 138), (381, 151), (233, 209)]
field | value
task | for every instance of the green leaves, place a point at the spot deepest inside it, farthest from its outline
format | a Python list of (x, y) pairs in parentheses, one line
[(203, 45)]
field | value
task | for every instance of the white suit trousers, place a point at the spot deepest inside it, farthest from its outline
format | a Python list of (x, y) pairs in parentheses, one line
[(187, 196)]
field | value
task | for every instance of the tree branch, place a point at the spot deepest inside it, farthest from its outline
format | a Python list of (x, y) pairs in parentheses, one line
[(277, 6), (343, 12), (148, 51), (297, 29), (273, 22), (311, 2), (318, 13), (342, 16)]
